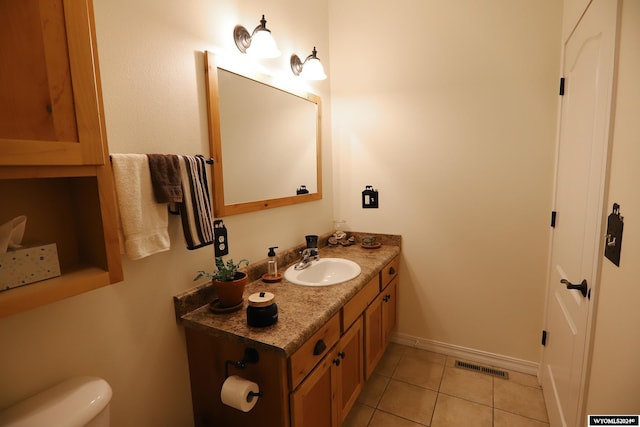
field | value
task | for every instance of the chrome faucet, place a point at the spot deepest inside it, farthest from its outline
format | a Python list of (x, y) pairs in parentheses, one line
[(308, 256)]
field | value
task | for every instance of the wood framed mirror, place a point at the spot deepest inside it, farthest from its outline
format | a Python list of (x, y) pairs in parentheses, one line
[(264, 140)]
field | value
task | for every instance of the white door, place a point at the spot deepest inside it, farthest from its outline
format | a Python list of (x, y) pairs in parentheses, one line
[(588, 67)]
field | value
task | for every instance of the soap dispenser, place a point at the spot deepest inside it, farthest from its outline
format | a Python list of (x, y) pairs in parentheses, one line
[(272, 274)]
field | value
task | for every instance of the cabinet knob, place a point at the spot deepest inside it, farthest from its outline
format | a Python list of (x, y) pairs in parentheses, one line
[(392, 270), (336, 362), (342, 354), (319, 348)]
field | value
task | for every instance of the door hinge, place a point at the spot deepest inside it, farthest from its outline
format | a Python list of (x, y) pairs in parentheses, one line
[(561, 86), (553, 218), (544, 337)]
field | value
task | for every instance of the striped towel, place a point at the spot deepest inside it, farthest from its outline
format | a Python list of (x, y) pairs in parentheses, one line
[(195, 209)]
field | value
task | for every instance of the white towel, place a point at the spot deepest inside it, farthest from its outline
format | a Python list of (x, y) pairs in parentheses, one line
[(143, 222)]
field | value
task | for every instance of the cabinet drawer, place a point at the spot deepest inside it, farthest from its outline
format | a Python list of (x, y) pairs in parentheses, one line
[(389, 272), (303, 361), (354, 308)]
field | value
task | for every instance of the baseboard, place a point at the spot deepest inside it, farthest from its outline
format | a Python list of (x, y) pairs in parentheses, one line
[(470, 354)]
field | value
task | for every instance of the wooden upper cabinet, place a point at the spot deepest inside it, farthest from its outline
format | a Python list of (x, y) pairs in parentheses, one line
[(50, 102), (54, 166)]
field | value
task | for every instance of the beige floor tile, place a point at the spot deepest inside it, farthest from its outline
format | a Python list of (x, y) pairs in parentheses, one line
[(524, 379), (359, 416), (425, 355), (453, 412), (383, 419), (505, 419), (408, 401), (419, 371), (373, 389), (519, 399), (451, 361), (468, 385), (390, 359)]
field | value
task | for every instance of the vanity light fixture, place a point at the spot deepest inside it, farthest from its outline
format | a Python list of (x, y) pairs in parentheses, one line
[(310, 69), (260, 43)]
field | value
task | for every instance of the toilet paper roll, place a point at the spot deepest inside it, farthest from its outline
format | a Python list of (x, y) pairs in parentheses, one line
[(237, 392)]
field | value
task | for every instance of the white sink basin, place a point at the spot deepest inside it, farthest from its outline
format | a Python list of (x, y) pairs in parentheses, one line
[(323, 272)]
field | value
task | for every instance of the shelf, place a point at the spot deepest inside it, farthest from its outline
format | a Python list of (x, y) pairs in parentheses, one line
[(81, 279)]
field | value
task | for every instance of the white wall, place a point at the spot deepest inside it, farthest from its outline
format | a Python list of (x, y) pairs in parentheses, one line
[(448, 108), (572, 11), (151, 63), (614, 387)]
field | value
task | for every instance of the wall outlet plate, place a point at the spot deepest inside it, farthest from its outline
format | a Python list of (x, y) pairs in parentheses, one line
[(369, 197), (220, 235)]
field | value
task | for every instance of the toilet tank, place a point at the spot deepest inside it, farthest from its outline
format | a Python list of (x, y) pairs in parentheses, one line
[(76, 402)]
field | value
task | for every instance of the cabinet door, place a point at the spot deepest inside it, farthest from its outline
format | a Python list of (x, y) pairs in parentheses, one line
[(312, 404), (374, 338), (50, 102), (389, 310), (379, 321), (350, 369)]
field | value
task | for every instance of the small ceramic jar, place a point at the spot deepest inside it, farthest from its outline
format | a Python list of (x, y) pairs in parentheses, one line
[(262, 309)]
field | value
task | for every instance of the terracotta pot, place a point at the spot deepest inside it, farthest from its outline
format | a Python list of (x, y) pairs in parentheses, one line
[(230, 293)]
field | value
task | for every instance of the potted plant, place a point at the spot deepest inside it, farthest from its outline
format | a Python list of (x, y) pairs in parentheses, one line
[(228, 282)]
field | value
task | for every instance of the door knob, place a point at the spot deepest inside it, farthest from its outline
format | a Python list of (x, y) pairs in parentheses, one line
[(582, 287)]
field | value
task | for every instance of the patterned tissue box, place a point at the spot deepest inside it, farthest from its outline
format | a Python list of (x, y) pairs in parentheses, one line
[(28, 264)]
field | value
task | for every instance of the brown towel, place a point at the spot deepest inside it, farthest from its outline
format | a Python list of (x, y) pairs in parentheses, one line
[(165, 177)]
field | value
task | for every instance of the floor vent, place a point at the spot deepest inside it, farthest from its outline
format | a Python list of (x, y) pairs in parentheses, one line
[(482, 369)]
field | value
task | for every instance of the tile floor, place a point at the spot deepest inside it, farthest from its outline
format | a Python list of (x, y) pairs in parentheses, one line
[(414, 388)]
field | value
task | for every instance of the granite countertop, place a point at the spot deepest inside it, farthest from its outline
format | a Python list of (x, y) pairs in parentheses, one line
[(302, 310)]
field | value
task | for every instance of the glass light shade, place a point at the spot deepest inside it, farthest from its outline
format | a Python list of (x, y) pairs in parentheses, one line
[(263, 45), (313, 70)]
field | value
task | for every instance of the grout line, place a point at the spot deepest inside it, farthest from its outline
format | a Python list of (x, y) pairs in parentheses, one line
[(493, 401), (403, 418), (435, 405)]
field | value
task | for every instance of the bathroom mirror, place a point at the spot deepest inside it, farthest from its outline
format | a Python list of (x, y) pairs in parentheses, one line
[(265, 142)]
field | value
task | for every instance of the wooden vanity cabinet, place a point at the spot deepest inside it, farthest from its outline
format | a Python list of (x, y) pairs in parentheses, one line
[(54, 165), (314, 387), (326, 396), (369, 318), (380, 317)]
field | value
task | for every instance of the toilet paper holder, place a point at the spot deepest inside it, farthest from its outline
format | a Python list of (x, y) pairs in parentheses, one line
[(250, 356), (253, 394)]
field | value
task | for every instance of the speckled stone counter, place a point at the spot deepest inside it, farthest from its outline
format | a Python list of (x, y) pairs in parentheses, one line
[(302, 310)]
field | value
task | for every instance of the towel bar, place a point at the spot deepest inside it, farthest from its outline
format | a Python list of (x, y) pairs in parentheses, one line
[(209, 161)]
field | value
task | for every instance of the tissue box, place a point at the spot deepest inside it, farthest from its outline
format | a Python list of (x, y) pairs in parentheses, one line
[(28, 264)]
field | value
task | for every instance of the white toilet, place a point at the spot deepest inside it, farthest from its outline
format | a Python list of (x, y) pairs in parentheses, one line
[(76, 402)]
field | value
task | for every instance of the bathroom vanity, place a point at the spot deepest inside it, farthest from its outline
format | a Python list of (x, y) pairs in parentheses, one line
[(313, 362)]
